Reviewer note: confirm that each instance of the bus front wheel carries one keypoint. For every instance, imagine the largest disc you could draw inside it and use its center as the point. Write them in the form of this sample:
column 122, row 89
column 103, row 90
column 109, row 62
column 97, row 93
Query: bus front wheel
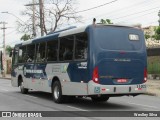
column 102, row 98
column 23, row 90
column 57, row 92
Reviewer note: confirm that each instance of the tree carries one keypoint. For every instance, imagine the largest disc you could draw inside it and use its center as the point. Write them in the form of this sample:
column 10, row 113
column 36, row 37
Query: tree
column 147, row 36
column 25, row 37
column 56, row 14
column 107, row 21
column 157, row 33
column 8, row 49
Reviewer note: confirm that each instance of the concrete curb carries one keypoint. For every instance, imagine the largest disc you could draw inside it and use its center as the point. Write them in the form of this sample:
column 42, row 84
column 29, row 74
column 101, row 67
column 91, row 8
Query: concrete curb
column 153, row 76
column 5, row 78
column 151, row 94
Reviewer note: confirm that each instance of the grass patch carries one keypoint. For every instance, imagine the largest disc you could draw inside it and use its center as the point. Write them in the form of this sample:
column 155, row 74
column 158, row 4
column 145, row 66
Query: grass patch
column 153, row 64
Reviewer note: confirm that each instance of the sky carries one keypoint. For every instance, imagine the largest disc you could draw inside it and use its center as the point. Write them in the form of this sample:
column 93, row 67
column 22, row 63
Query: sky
column 126, row 12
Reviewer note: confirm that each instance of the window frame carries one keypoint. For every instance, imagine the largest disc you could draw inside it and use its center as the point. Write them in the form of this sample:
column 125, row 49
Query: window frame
column 19, row 56
column 87, row 47
column 34, row 57
column 36, row 50
column 14, row 51
column 72, row 49
column 47, row 51
column 58, row 52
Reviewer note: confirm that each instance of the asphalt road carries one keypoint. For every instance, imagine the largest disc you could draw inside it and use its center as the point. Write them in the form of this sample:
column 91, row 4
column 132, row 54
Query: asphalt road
column 12, row 100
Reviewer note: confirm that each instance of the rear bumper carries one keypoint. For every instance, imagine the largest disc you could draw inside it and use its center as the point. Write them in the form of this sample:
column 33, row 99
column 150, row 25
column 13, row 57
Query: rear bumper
column 96, row 89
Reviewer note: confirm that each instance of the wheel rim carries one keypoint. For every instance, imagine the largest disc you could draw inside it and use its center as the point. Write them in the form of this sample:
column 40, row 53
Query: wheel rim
column 56, row 92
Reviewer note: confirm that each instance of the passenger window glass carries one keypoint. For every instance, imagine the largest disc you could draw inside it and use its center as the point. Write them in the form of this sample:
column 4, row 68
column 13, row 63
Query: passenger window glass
column 40, row 55
column 81, row 46
column 22, row 54
column 15, row 59
column 30, row 53
column 52, row 50
column 66, row 48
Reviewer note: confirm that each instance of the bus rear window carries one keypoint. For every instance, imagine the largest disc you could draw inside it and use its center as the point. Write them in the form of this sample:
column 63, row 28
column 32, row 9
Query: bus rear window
column 133, row 37
column 119, row 38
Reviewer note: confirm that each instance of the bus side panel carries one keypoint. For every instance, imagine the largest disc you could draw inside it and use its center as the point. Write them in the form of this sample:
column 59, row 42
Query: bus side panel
column 74, row 88
column 73, row 77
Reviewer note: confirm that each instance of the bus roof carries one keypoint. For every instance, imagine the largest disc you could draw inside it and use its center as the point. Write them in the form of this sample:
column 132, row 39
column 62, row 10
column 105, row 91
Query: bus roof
column 62, row 33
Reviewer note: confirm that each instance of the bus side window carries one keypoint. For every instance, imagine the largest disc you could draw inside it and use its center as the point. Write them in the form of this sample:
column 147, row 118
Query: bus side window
column 52, row 47
column 40, row 55
column 29, row 57
column 15, row 56
column 22, row 54
column 66, row 48
column 81, row 46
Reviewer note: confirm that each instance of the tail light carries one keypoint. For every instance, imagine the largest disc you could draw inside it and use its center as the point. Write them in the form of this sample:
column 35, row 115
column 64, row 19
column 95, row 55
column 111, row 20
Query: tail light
column 95, row 76
column 145, row 75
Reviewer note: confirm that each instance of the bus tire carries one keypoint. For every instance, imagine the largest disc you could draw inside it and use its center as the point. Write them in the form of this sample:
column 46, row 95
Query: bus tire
column 57, row 92
column 23, row 90
column 100, row 98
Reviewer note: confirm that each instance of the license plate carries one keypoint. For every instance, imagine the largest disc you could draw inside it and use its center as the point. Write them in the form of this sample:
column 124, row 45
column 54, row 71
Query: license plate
column 122, row 80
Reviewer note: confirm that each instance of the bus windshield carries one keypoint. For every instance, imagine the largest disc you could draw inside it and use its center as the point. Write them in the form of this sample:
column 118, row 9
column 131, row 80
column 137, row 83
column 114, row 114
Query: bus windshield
column 118, row 38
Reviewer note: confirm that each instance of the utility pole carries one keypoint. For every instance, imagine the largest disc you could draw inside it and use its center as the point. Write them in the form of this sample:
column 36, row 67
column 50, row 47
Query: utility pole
column 41, row 11
column 4, row 49
column 159, row 17
column 34, row 25
column 41, row 17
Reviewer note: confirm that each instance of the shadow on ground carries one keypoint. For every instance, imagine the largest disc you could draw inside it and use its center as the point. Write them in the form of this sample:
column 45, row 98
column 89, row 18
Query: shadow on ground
column 85, row 103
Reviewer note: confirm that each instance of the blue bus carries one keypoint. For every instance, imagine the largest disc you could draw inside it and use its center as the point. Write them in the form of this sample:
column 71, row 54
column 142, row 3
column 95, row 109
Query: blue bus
column 97, row 61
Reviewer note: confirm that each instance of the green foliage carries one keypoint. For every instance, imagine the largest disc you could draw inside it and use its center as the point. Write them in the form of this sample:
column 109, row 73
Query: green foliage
column 153, row 65
column 158, row 30
column 8, row 49
column 147, row 36
column 107, row 21
column 157, row 33
column 25, row 37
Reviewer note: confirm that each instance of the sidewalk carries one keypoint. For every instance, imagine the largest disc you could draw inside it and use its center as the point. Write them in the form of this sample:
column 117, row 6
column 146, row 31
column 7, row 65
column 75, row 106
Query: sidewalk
column 153, row 87
column 8, row 76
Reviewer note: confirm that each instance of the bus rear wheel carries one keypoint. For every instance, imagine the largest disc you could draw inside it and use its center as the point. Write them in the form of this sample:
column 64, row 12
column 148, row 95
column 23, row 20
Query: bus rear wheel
column 57, row 92
column 102, row 98
column 23, row 90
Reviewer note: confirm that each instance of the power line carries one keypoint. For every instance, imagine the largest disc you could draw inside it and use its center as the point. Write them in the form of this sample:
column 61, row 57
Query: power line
column 150, row 23
column 10, row 42
column 135, row 13
column 139, row 16
column 120, row 10
column 116, row 10
column 124, row 9
column 101, row 6
column 129, row 14
column 95, row 7
column 10, row 32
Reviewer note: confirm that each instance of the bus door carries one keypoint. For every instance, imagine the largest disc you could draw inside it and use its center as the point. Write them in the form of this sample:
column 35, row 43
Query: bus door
column 39, row 76
column 28, row 74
